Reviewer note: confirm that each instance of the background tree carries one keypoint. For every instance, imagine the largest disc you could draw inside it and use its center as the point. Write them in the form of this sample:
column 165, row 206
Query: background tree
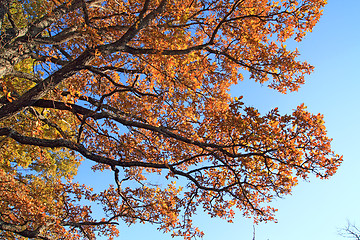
column 350, row 231
column 141, row 88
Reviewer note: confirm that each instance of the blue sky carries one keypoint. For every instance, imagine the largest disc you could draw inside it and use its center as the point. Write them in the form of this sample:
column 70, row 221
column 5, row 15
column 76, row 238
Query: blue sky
column 316, row 209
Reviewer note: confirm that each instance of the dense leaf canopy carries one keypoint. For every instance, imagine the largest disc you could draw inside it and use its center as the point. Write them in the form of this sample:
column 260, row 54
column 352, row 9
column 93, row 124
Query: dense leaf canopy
column 141, row 88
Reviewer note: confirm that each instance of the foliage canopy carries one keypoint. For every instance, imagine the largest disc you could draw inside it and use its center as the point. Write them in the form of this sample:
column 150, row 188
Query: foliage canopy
column 141, row 88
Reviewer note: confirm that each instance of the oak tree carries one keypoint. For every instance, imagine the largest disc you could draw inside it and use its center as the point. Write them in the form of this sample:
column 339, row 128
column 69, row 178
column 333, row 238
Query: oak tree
column 141, row 89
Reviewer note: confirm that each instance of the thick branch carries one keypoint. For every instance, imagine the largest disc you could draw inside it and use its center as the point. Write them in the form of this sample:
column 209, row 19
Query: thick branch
column 74, row 66
column 58, row 143
column 120, row 44
column 40, row 25
column 22, row 230
column 130, row 123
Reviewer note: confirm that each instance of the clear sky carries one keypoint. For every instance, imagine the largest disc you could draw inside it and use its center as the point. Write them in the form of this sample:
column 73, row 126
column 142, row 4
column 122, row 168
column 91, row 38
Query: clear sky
column 316, row 209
